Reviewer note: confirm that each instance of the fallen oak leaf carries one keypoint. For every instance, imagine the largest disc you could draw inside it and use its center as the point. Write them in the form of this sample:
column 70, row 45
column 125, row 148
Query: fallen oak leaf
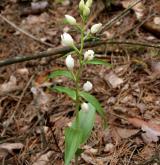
column 152, row 130
column 126, row 133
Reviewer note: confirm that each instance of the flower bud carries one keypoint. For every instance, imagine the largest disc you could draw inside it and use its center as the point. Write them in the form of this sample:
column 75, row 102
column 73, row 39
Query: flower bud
column 85, row 107
column 89, row 3
column 89, row 55
column 96, row 28
column 71, row 20
column 81, row 5
column 87, row 86
column 67, row 40
column 86, row 11
column 70, row 62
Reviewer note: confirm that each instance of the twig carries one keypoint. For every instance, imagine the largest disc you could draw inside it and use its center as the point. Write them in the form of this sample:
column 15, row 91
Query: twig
column 60, row 51
column 9, row 121
column 24, row 32
column 119, row 16
column 141, row 23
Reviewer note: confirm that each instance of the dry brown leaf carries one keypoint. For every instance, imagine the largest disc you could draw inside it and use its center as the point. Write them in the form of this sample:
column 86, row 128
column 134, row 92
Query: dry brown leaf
column 10, row 85
column 126, row 133
column 41, row 99
column 116, row 138
column 113, row 80
column 11, row 146
column 3, row 153
column 43, row 159
column 23, row 71
column 89, row 150
column 94, row 161
column 155, row 66
column 152, row 130
column 42, row 5
column 88, row 159
column 31, row 19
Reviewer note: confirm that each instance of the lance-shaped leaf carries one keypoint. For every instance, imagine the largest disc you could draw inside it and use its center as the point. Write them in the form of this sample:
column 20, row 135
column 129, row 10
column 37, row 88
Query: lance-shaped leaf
column 64, row 73
column 86, row 122
column 98, row 62
column 72, row 142
column 91, row 99
column 70, row 92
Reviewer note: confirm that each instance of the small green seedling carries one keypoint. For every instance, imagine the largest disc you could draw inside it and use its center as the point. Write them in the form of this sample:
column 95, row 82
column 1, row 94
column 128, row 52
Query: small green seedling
column 86, row 104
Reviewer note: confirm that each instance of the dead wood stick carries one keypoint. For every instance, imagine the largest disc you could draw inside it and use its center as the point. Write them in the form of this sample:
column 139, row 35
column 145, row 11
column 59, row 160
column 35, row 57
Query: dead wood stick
column 60, row 51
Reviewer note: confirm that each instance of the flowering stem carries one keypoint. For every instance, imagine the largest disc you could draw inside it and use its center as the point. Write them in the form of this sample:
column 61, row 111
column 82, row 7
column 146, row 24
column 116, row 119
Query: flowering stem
column 78, row 75
column 76, row 49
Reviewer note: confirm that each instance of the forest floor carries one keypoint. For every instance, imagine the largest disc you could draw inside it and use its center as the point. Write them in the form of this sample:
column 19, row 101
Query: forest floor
column 32, row 122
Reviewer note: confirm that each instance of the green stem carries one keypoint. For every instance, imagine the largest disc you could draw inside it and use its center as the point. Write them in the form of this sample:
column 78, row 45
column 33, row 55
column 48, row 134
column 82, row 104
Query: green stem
column 78, row 75
column 76, row 49
column 76, row 159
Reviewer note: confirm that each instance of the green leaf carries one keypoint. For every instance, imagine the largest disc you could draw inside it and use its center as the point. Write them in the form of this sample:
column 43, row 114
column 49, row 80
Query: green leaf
column 72, row 142
column 61, row 73
column 70, row 92
column 98, row 62
column 86, row 122
column 91, row 99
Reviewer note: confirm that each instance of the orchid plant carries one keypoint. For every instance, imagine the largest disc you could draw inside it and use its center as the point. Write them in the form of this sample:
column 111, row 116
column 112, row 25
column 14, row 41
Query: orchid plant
column 86, row 104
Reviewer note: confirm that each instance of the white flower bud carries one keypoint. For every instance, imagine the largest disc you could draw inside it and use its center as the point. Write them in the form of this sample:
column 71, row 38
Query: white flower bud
column 67, row 40
column 70, row 62
column 87, row 86
column 89, row 55
column 71, row 20
column 81, row 5
column 96, row 28
column 84, row 107
column 86, row 11
column 89, row 3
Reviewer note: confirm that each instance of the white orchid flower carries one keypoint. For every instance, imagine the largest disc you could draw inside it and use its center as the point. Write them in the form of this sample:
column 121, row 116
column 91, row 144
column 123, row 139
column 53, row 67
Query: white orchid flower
column 66, row 39
column 85, row 107
column 87, row 86
column 96, row 28
column 89, row 55
column 71, row 20
column 81, row 5
column 69, row 62
column 86, row 11
column 89, row 3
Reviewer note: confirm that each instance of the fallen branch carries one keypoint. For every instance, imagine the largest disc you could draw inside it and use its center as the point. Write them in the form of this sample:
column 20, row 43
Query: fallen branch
column 60, row 51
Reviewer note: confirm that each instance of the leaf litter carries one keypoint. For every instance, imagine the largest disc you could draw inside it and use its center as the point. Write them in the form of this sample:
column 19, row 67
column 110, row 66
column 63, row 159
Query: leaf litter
column 129, row 91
